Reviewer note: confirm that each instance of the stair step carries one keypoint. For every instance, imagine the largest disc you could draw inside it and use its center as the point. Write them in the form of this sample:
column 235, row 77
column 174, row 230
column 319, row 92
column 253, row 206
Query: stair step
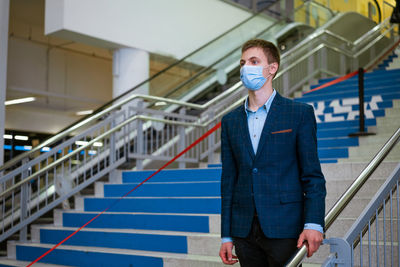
column 94, row 256
column 159, row 241
column 184, row 175
column 200, row 223
column 386, row 92
column 4, row 262
column 206, row 205
column 165, row 189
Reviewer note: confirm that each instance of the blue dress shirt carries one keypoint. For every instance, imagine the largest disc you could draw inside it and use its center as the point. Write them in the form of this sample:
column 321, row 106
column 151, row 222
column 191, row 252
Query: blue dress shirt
column 256, row 121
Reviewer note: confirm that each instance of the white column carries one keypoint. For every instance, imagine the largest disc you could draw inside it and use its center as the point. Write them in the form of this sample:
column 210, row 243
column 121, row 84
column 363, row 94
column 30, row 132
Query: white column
column 131, row 66
column 4, row 14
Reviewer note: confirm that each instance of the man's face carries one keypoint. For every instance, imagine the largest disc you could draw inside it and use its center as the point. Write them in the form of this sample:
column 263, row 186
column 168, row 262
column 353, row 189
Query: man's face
column 255, row 57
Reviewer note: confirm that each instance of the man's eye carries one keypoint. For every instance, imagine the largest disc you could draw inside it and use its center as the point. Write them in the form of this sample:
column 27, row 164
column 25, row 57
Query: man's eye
column 255, row 62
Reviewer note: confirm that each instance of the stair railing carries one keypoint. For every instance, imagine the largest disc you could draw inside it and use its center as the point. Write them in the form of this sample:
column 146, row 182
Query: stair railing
column 374, row 233
column 146, row 135
column 341, row 246
column 128, row 97
column 41, row 184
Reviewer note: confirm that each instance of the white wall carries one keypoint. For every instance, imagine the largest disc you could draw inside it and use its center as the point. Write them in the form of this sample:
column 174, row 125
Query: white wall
column 33, row 67
column 173, row 27
column 63, row 82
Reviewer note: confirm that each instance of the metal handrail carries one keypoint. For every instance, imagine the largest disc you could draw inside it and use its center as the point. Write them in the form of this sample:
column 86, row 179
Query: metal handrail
column 204, row 70
column 101, row 111
column 221, row 100
column 167, row 100
column 116, row 106
column 171, row 101
column 115, row 129
column 355, row 43
column 347, row 196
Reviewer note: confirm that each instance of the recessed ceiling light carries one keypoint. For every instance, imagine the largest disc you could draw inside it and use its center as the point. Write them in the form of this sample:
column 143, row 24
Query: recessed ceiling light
column 19, row 101
column 84, row 112
column 160, row 103
column 21, row 137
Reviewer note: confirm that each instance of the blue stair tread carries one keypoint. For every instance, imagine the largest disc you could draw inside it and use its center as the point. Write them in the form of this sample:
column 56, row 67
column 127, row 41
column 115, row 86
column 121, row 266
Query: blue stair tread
column 122, row 240
column 367, row 75
column 84, row 258
column 210, row 205
column 337, row 142
column 173, row 175
column 342, row 124
column 182, row 189
column 333, row 153
column 163, row 222
column 388, row 92
column 214, row 165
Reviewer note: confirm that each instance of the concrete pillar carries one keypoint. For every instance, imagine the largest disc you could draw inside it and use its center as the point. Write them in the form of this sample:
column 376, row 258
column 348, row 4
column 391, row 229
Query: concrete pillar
column 131, row 66
column 4, row 17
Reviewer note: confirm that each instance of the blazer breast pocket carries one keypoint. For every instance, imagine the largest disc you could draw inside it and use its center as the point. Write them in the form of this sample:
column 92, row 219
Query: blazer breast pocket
column 282, row 131
column 282, row 137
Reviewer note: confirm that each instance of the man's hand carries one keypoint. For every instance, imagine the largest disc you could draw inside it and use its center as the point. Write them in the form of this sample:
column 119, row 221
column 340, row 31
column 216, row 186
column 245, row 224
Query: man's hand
column 312, row 239
column 226, row 253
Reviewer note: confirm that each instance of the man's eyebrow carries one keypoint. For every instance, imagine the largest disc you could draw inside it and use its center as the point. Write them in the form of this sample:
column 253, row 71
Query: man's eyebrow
column 254, row 57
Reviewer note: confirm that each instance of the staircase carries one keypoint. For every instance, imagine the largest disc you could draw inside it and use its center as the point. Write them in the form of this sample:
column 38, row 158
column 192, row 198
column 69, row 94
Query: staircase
column 172, row 220
column 336, row 109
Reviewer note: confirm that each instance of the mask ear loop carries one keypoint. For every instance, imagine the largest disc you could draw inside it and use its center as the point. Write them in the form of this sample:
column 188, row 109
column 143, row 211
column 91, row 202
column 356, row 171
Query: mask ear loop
column 269, row 65
column 266, row 78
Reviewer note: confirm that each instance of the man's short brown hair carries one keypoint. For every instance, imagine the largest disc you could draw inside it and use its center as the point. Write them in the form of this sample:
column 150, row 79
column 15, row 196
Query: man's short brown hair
column 270, row 50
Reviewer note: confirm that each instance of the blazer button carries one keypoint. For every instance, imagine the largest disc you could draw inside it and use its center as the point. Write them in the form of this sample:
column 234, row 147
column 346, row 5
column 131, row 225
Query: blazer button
column 255, row 170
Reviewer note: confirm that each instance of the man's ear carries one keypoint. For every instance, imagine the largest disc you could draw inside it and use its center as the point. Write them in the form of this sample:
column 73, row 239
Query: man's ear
column 273, row 67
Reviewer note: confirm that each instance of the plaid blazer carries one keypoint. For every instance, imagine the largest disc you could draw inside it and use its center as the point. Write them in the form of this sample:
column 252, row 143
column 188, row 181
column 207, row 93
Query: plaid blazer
column 283, row 181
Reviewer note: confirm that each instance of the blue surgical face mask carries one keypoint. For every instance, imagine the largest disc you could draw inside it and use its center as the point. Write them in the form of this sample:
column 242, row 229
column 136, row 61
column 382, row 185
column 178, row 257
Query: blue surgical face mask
column 252, row 77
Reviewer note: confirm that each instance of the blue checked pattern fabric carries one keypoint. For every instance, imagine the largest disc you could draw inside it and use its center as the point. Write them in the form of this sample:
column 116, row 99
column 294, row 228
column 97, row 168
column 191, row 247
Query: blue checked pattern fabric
column 281, row 178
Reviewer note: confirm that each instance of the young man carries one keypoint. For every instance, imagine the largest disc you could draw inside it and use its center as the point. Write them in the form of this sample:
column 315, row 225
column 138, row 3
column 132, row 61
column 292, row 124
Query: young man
column 273, row 190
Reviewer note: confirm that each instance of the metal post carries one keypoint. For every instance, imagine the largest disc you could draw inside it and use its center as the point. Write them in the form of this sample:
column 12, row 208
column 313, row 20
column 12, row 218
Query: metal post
column 112, row 142
column 4, row 18
column 361, row 99
column 140, row 140
column 341, row 251
column 361, row 130
column 285, row 80
column 254, row 6
column 324, row 59
column 343, row 70
column 310, row 65
column 211, row 141
column 181, row 143
column 23, row 234
column 289, row 7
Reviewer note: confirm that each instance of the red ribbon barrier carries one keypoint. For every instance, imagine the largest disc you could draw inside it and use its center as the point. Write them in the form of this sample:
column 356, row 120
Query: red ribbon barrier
column 145, row 180
column 354, row 73
column 335, row 81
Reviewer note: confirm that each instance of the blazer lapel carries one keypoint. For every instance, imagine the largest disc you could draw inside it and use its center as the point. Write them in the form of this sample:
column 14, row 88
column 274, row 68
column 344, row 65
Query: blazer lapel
column 269, row 122
column 245, row 131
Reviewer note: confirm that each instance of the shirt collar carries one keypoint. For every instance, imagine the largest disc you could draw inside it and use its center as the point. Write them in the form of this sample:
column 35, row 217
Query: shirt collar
column 266, row 105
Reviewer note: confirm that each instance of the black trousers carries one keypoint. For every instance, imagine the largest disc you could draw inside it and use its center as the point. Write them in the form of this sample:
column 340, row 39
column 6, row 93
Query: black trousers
column 256, row 250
